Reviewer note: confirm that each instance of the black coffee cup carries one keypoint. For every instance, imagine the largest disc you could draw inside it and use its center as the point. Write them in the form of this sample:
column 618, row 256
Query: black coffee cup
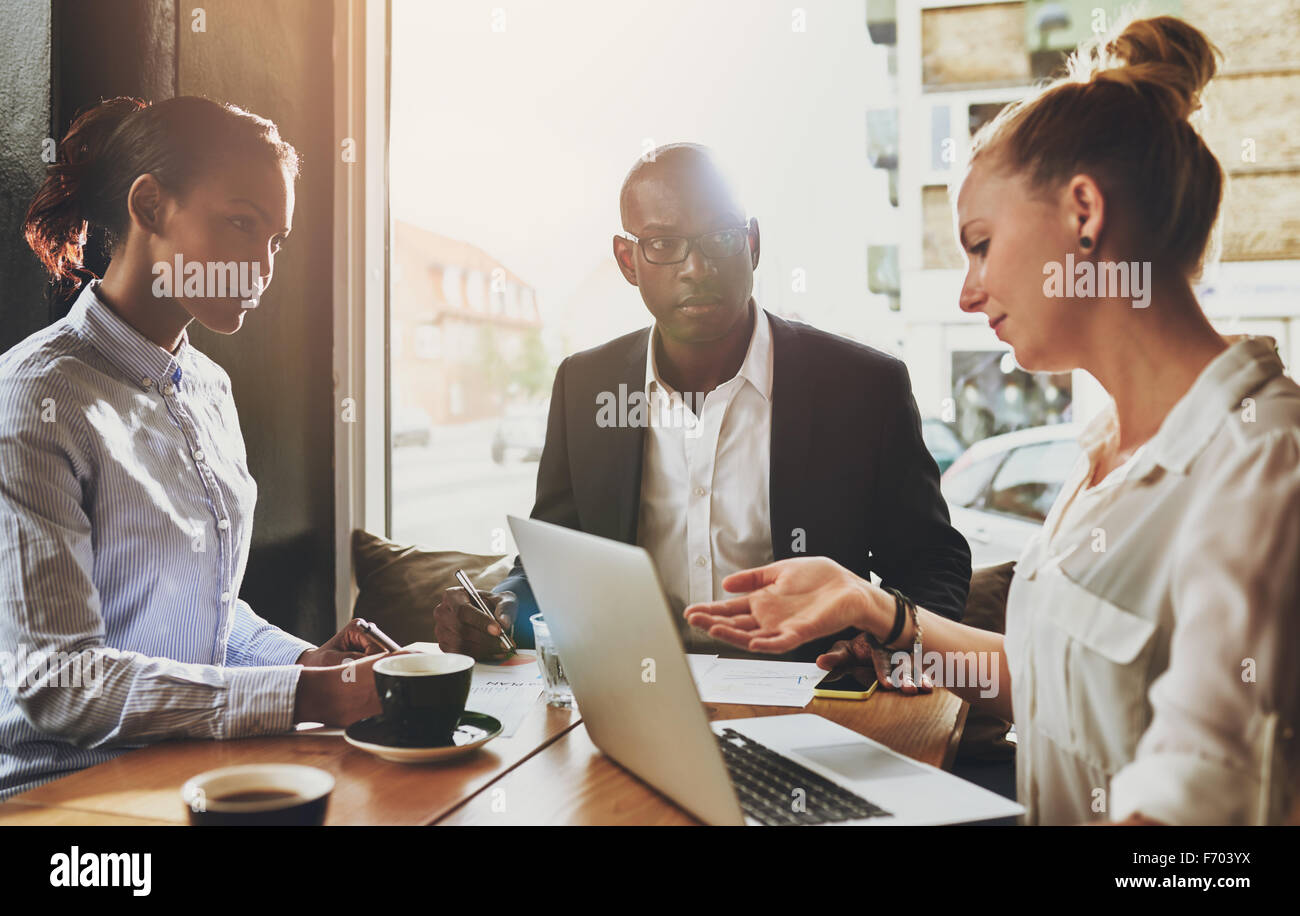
column 423, row 695
column 259, row 794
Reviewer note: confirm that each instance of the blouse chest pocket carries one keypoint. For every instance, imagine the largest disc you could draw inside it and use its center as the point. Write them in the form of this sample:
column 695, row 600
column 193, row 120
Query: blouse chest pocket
column 1092, row 668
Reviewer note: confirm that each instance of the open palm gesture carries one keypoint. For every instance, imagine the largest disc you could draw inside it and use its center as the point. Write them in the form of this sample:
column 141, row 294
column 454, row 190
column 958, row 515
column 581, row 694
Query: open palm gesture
column 789, row 603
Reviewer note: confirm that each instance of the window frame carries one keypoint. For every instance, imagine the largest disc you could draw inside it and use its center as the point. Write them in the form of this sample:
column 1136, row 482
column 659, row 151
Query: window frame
column 362, row 475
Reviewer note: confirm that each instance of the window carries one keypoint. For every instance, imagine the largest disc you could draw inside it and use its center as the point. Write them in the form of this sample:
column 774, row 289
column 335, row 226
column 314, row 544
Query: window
column 982, row 113
column 941, row 139
column 965, row 485
column 453, row 291
column 1028, row 481
column 504, row 222
column 993, row 395
column 428, row 341
column 941, row 442
column 475, row 287
column 497, row 291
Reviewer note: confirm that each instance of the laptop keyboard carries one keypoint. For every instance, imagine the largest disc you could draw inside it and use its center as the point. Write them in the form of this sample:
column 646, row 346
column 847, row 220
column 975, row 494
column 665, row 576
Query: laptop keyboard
column 776, row 791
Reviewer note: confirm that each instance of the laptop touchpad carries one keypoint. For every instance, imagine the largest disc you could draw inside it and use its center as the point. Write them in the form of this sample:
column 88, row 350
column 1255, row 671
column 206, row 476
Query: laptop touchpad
column 859, row 761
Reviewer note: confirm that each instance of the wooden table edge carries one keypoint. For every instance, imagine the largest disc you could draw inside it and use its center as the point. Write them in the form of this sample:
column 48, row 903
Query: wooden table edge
column 433, row 818
column 438, row 817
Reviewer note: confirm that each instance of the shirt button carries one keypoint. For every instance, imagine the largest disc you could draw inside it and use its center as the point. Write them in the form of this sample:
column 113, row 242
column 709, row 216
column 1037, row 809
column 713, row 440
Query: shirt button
column 146, row 382
column 701, row 561
column 225, row 597
column 198, row 454
column 168, row 388
column 223, row 524
column 699, row 491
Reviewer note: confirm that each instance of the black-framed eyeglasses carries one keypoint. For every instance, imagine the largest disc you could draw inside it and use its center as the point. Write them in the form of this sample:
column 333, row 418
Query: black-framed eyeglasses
column 673, row 249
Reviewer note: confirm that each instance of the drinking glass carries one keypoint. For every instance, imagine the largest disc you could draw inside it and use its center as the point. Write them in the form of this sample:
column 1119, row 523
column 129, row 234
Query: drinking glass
column 558, row 691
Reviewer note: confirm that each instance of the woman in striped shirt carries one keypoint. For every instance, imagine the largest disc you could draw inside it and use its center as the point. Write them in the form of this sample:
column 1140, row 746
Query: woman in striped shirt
column 126, row 504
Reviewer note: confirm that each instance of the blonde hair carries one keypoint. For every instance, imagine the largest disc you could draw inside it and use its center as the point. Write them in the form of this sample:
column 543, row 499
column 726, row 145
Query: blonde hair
column 1121, row 114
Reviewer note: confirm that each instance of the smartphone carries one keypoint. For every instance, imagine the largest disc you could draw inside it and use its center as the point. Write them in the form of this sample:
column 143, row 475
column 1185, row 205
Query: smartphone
column 846, row 687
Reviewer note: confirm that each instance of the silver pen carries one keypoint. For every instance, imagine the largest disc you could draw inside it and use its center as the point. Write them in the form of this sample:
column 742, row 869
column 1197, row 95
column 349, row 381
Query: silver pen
column 479, row 603
column 379, row 636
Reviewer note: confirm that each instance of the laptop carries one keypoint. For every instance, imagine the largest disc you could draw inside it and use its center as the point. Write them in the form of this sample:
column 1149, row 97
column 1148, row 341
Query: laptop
column 616, row 637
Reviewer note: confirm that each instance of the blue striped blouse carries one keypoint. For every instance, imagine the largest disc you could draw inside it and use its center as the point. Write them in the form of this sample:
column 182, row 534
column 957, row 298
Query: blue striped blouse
column 125, row 512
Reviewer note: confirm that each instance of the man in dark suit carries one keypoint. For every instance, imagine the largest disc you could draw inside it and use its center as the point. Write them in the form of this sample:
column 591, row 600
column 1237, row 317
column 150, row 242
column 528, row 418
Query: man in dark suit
column 723, row 437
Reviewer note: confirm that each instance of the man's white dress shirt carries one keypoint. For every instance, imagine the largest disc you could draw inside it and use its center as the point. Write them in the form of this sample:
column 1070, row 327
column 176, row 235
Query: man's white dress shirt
column 704, row 481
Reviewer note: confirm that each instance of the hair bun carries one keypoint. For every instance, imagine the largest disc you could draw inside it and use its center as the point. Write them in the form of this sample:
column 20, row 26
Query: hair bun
column 1164, row 54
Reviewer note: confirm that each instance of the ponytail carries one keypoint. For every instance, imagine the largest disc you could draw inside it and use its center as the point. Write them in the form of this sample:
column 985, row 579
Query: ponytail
column 57, row 220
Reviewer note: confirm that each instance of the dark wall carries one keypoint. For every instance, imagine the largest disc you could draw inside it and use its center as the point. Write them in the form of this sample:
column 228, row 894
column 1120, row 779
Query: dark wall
column 272, row 57
column 105, row 48
column 59, row 58
column 25, row 100
column 101, row 49
column 275, row 58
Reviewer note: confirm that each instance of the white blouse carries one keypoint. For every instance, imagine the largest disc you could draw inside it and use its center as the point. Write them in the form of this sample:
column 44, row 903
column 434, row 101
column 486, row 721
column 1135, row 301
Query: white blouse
column 1152, row 623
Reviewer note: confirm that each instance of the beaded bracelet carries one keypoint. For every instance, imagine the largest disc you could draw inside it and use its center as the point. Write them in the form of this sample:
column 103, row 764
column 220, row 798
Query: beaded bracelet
column 900, row 620
column 916, row 636
column 900, row 617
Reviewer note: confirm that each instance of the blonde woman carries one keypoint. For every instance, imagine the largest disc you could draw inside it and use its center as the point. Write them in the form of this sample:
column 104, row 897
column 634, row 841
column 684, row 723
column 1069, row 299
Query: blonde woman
column 1144, row 661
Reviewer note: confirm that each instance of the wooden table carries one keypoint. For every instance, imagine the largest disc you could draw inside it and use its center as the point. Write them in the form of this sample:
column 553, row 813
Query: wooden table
column 548, row 772
column 571, row 782
column 146, row 783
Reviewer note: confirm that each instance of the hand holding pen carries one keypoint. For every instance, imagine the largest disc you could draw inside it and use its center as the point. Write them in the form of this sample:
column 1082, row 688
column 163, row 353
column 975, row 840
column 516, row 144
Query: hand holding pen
column 358, row 639
column 480, row 629
column 477, row 599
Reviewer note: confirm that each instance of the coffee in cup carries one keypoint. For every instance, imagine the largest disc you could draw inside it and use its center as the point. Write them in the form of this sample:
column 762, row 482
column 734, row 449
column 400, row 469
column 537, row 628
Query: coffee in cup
column 260, row 794
column 423, row 695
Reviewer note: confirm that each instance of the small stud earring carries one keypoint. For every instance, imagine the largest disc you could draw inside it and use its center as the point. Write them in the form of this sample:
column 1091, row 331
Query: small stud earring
column 1085, row 241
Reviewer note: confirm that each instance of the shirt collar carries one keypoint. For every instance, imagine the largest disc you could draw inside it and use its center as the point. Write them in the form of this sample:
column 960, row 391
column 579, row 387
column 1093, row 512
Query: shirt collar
column 1244, row 366
column 144, row 362
column 756, row 369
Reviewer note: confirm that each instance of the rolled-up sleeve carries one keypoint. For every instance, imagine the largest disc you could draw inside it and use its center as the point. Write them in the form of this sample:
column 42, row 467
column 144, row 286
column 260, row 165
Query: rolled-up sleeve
column 1225, row 707
column 255, row 641
column 63, row 678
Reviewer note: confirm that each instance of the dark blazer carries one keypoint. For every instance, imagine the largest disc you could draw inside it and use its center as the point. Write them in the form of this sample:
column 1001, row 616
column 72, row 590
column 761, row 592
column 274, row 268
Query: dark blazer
column 848, row 466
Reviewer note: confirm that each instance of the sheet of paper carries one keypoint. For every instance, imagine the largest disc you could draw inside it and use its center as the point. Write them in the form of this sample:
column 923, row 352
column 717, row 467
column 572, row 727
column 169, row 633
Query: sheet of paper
column 508, row 692
column 700, row 665
column 757, row 682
